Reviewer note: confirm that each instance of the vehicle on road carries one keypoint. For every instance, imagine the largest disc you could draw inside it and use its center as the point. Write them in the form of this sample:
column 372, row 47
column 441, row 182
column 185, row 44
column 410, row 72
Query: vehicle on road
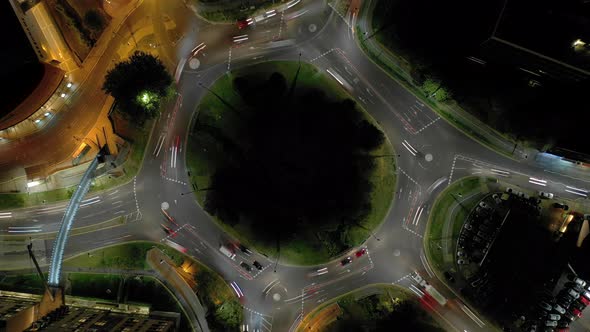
column 360, row 252
column 244, row 249
column 547, row 195
column 560, row 206
column 228, row 252
column 257, row 265
column 246, row 266
column 237, row 289
column 244, row 23
column 346, row 261
column 176, row 246
column 168, row 230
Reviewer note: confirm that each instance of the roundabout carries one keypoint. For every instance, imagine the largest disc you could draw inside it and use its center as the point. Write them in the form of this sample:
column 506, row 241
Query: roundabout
column 276, row 296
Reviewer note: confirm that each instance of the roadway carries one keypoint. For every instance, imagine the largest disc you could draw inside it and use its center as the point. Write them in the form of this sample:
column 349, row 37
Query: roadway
column 430, row 154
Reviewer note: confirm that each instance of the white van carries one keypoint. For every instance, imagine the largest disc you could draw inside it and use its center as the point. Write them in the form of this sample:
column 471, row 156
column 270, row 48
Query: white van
column 229, row 253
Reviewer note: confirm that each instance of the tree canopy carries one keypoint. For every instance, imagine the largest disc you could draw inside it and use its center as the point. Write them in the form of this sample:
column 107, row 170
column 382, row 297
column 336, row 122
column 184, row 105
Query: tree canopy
column 138, row 85
column 299, row 161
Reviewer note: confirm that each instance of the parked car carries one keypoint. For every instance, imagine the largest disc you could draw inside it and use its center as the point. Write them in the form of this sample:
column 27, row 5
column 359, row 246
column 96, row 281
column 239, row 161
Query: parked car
column 546, row 194
column 584, row 300
column 559, row 309
column 554, row 316
column 483, row 205
column 345, row 261
column 257, row 265
column 461, row 261
column 576, row 312
column 509, row 190
column 545, row 306
column 551, row 323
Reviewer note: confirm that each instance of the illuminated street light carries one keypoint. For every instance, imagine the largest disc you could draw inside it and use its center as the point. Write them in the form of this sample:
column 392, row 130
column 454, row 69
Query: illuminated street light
column 69, row 85
column 37, row 121
column 145, row 98
column 578, row 42
column 47, row 114
column 63, row 95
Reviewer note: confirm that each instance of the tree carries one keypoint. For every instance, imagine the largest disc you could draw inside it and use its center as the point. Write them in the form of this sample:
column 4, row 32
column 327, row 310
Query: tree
column 138, row 85
column 94, row 20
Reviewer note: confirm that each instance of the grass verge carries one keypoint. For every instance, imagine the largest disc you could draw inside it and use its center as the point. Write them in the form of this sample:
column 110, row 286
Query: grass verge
column 449, row 211
column 204, row 156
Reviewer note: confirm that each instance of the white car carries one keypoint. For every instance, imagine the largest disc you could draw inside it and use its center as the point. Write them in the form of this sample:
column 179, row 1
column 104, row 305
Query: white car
column 546, row 195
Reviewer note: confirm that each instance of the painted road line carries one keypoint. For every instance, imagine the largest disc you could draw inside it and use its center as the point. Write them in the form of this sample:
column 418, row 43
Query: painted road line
column 577, row 189
column 411, row 147
column 576, row 193
column 471, row 315
column 408, row 148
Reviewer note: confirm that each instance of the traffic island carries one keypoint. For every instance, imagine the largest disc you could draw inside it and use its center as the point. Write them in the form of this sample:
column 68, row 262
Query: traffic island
column 372, row 308
column 286, row 162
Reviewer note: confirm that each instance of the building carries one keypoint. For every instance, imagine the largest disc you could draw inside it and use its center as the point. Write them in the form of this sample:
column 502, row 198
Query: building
column 81, row 315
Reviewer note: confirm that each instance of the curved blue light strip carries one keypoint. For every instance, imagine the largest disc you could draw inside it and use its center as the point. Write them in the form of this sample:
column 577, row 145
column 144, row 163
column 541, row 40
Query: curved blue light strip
column 66, row 224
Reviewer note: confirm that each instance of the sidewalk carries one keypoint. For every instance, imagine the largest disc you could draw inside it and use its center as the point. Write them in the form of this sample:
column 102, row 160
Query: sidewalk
column 399, row 68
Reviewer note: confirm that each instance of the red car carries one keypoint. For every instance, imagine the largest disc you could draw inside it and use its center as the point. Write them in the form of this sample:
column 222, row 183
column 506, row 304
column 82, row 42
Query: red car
column 360, row 252
column 584, row 300
column 576, row 312
column 242, row 24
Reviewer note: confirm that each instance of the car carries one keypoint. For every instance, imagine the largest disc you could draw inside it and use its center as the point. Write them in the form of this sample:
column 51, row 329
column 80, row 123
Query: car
column 574, row 286
column 461, row 262
column 554, row 317
column 257, row 265
column 560, row 206
column 576, row 312
column 545, row 306
column 345, row 261
column 584, row 300
column 586, row 294
column 246, row 266
column 551, row 323
column 360, row 252
column 568, row 317
column 468, row 227
column 460, row 253
column 571, row 293
column 509, row 190
column 579, row 281
column 244, row 249
column 545, row 194
column 578, row 305
column 559, row 309
column 483, row 205
column 244, row 23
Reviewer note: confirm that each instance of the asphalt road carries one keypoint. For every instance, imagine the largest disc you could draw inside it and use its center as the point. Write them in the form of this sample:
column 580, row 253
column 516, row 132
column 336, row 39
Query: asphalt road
column 430, row 155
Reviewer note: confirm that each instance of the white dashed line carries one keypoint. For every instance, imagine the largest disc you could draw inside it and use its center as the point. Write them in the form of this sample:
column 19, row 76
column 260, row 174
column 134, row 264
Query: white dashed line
column 175, row 181
column 452, row 170
column 135, row 192
column 409, row 177
column 427, row 125
column 322, row 55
